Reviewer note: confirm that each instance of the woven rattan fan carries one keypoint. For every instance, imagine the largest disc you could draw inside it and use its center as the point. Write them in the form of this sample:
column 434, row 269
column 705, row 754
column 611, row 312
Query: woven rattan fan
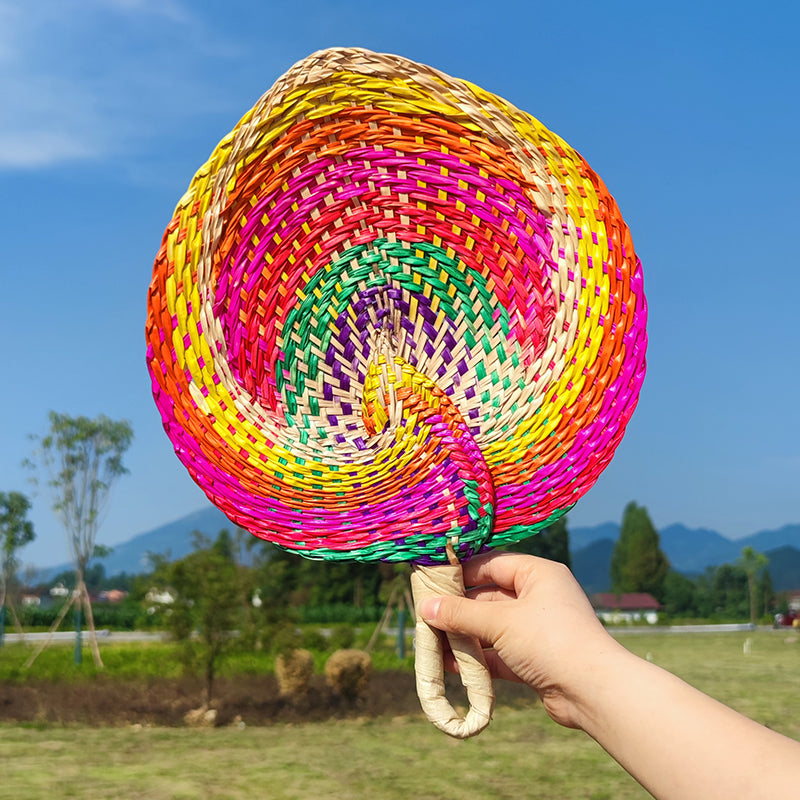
column 396, row 318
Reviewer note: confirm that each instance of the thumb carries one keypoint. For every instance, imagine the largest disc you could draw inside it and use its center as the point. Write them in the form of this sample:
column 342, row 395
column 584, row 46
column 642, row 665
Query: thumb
column 461, row 615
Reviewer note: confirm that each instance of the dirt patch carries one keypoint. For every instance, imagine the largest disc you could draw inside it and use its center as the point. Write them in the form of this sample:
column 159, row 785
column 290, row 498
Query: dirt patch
column 245, row 699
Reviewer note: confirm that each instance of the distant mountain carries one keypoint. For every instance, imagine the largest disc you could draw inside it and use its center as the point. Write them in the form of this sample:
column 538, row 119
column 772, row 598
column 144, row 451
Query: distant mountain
column 770, row 540
column 784, row 568
column 583, row 536
column 690, row 551
column 173, row 540
column 591, row 565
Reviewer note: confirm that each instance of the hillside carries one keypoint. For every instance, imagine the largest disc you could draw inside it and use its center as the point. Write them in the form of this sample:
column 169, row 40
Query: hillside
column 690, row 550
column 591, row 566
column 173, row 540
column 784, row 568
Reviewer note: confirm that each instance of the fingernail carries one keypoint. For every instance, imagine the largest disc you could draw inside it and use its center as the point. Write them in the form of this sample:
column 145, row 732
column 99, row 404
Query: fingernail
column 430, row 608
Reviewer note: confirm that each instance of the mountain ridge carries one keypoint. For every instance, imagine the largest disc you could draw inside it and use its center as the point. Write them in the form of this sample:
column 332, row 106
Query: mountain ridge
column 689, row 550
column 692, row 550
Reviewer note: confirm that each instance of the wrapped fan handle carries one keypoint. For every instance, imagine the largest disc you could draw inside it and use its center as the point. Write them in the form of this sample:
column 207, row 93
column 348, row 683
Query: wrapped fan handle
column 433, row 581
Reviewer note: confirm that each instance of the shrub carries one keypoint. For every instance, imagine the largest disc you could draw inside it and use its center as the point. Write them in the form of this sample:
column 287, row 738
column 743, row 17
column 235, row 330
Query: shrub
column 347, row 673
column 313, row 639
column 283, row 639
column 293, row 671
column 119, row 617
column 339, row 613
column 342, row 638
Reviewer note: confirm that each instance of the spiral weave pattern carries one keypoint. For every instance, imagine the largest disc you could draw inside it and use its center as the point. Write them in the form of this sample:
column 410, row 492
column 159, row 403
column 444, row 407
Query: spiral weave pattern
column 392, row 309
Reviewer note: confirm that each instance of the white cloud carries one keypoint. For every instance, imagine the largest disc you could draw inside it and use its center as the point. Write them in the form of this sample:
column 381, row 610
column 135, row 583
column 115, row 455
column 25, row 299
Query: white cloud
column 90, row 80
column 34, row 149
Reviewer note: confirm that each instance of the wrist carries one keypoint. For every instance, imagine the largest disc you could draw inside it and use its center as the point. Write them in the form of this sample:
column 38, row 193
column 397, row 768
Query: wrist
column 597, row 683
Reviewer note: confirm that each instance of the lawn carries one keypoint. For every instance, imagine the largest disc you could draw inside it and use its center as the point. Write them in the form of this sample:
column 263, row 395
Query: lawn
column 521, row 755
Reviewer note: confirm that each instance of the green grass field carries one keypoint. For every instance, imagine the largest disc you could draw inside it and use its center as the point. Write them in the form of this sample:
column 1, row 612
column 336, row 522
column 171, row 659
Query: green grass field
column 521, row 755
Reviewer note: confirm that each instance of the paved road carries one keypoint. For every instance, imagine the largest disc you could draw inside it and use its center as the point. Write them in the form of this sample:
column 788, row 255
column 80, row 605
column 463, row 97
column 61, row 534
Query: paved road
column 102, row 635
column 141, row 636
column 733, row 627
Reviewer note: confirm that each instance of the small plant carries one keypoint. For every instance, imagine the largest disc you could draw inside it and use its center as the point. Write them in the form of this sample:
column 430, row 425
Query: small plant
column 348, row 672
column 293, row 670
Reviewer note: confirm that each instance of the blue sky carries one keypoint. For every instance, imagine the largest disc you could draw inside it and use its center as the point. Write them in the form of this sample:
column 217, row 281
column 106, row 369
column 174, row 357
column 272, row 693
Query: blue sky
column 688, row 111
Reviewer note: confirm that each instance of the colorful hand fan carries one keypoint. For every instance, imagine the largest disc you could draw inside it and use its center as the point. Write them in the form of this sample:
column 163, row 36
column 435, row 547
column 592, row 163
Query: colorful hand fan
column 396, row 318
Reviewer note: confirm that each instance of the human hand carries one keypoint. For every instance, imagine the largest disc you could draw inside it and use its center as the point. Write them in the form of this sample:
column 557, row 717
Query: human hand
column 537, row 623
column 542, row 630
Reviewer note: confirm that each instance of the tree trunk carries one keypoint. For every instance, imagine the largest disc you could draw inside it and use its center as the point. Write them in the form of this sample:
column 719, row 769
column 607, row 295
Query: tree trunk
column 17, row 623
column 87, row 607
column 209, row 680
column 358, row 592
column 751, row 585
column 7, row 601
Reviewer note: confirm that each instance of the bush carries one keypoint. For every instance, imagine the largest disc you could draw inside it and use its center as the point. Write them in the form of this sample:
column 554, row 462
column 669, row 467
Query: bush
column 348, row 673
column 293, row 671
column 119, row 617
column 284, row 638
column 339, row 612
column 342, row 638
column 314, row 639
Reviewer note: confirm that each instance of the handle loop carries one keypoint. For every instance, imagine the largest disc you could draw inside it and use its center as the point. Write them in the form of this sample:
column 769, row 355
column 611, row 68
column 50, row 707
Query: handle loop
column 448, row 579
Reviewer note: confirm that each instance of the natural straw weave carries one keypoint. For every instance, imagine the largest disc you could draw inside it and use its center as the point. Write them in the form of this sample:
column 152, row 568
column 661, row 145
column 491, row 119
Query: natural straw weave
column 393, row 309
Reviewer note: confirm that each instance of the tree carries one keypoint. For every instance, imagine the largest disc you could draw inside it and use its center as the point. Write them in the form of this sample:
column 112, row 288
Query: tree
column 729, row 591
column 208, row 593
column 83, row 459
column 679, row 595
column 765, row 593
column 15, row 532
column 753, row 564
column 295, row 581
column 637, row 562
column 552, row 542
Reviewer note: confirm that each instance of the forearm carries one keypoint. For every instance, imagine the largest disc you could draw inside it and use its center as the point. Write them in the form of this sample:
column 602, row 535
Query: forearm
column 679, row 743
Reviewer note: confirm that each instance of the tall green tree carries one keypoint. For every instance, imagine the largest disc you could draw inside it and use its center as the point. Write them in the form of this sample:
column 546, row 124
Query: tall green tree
column 15, row 532
column 83, row 460
column 754, row 565
column 637, row 563
column 552, row 542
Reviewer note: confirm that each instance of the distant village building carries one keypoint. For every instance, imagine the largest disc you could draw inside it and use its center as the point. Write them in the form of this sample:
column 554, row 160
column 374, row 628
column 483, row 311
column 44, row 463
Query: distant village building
column 160, row 596
column 620, row 609
column 112, row 596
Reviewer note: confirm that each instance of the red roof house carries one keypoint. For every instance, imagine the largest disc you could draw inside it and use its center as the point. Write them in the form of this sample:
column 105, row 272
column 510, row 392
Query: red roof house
column 626, row 608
